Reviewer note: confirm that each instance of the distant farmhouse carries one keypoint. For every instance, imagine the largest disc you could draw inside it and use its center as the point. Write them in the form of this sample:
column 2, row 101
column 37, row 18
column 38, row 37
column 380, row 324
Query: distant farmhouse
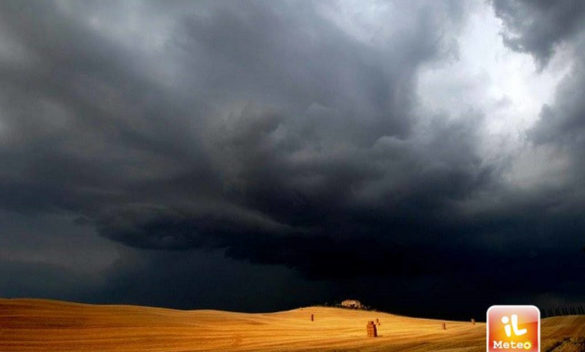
column 353, row 304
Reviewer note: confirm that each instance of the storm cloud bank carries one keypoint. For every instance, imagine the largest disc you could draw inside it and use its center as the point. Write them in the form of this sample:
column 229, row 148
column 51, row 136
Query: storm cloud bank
column 295, row 135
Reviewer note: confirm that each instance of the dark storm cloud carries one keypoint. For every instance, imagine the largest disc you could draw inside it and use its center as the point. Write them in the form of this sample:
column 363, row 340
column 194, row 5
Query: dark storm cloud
column 562, row 124
column 538, row 27
column 273, row 134
column 279, row 129
column 554, row 210
column 541, row 28
column 324, row 164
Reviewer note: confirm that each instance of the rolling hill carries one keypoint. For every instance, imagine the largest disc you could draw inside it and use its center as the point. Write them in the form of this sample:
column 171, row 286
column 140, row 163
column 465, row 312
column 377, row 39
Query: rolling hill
column 45, row 325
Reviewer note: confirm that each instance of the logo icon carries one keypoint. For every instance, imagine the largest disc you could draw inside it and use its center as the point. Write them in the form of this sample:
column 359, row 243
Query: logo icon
column 508, row 329
column 513, row 328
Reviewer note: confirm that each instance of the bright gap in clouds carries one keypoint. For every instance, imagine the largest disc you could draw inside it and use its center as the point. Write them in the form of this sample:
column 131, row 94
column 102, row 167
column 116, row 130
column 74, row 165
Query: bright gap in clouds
column 486, row 77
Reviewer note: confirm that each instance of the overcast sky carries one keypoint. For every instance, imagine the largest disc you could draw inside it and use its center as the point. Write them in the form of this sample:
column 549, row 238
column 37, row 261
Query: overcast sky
column 425, row 157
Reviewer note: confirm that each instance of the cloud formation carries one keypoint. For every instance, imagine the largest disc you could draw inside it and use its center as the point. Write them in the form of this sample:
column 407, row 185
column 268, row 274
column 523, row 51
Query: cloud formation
column 291, row 134
column 538, row 27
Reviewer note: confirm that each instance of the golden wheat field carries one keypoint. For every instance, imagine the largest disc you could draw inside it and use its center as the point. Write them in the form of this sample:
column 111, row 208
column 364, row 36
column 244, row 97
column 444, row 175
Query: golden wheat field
column 44, row 325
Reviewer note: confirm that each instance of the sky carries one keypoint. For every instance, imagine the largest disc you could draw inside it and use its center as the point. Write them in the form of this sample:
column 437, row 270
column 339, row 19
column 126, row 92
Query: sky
column 421, row 156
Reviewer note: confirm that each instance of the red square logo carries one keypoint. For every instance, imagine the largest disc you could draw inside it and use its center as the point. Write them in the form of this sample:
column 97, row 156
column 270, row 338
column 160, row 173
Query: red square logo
column 513, row 329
